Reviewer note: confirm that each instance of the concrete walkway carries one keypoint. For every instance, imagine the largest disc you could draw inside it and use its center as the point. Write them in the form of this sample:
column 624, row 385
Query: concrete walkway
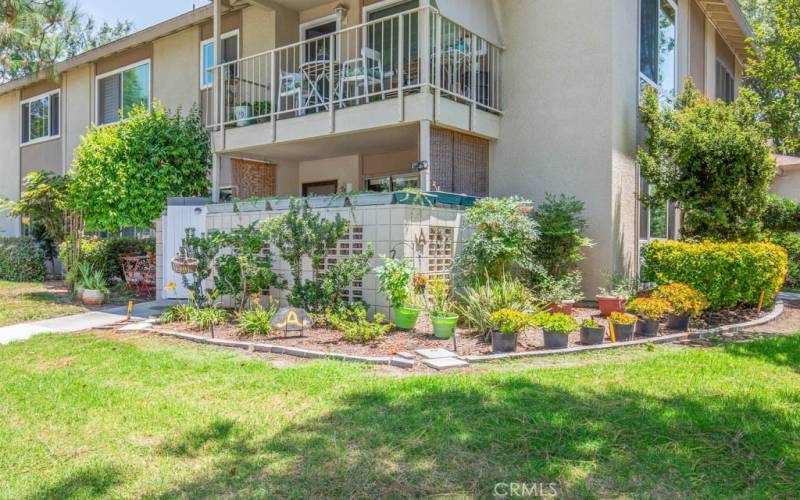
column 82, row 321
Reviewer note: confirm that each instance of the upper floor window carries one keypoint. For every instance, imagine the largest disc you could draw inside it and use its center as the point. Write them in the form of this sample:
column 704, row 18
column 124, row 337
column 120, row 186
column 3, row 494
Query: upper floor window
column 120, row 90
column 230, row 52
column 40, row 118
column 658, row 47
column 725, row 84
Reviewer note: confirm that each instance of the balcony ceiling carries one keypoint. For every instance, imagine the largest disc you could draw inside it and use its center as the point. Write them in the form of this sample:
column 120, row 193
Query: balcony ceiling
column 727, row 16
column 296, row 5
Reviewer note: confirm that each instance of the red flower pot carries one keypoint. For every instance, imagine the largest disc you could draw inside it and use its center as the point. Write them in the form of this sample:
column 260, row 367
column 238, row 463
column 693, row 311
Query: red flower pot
column 565, row 307
column 608, row 304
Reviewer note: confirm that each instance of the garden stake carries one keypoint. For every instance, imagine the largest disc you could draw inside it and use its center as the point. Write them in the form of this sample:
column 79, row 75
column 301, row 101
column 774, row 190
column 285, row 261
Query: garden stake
column 455, row 343
column 611, row 332
column 761, row 301
column 130, row 309
column 212, row 330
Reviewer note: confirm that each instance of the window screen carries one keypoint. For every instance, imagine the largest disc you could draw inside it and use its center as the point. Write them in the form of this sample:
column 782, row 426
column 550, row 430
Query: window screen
column 109, row 97
column 121, row 92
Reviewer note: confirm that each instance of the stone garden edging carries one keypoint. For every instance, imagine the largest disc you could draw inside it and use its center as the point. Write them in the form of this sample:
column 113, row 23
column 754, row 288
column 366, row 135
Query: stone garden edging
column 410, row 363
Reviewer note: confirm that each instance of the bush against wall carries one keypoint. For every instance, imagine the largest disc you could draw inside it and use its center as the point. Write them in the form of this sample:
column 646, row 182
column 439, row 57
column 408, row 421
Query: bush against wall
column 123, row 173
column 711, row 159
column 103, row 254
column 21, row 259
column 790, row 241
column 782, row 214
column 729, row 274
column 561, row 226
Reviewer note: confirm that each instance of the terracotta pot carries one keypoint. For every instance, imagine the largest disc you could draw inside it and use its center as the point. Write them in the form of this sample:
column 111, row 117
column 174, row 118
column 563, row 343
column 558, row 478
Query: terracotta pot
column 609, row 304
column 565, row 307
column 93, row 298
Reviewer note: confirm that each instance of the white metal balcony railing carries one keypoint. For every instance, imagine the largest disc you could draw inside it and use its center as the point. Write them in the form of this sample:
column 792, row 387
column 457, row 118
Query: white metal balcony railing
column 377, row 60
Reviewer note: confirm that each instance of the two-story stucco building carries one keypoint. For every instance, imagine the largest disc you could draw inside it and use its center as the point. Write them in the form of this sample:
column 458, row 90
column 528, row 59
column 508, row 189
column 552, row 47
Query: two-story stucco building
column 484, row 97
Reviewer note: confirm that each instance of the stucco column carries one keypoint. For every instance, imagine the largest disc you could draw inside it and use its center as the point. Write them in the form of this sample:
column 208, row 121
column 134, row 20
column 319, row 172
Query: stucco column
column 425, row 154
column 215, row 167
column 217, row 77
column 711, row 60
column 684, row 10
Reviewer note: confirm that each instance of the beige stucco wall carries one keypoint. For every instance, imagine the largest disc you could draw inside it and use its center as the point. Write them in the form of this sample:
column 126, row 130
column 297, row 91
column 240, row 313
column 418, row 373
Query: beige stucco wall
column 389, row 163
column 9, row 158
column 176, row 69
column 43, row 156
column 258, row 30
column 564, row 133
column 353, row 14
column 344, row 169
column 77, row 108
column 787, row 185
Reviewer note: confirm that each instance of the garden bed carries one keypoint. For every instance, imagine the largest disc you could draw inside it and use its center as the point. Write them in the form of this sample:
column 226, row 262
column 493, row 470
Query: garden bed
column 469, row 343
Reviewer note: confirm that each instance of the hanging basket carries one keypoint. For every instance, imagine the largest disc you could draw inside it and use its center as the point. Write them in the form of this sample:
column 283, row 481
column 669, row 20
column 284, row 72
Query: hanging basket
column 184, row 265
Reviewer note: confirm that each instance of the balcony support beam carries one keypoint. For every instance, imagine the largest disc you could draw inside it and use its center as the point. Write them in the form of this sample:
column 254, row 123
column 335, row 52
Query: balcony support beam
column 217, row 58
column 425, row 154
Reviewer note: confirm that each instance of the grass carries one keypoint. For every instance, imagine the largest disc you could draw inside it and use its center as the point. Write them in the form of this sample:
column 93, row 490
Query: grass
column 21, row 302
column 96, row 416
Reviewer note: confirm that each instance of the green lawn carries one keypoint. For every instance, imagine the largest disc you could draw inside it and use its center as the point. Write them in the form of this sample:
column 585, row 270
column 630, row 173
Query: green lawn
column 21, row 302
column 92, row 416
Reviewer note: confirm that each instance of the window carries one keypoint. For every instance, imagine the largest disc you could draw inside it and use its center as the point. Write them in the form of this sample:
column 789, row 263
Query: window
column 385, row 36
column 392, row 183
column 317, row 33
column 230, row 52
column 658, row 47
column 40, row 118
column 656, row 222
column 725, row 84
column 119, row 91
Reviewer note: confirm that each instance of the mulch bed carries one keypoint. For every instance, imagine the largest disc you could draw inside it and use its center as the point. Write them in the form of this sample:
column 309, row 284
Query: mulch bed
column 469, row 343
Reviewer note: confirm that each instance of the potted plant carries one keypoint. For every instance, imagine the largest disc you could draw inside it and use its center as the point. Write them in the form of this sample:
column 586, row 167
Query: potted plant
column 507, row 324
column 557, row 328
column 242, row 114
column 394, row 279
column 561, row 293
column 650, row 310
column 94, row 287
column 356, row 199
column 440, row 308
column 623, row 325
column 685, row 302
column 613, row 299
column 327, row 201
column 592, row 332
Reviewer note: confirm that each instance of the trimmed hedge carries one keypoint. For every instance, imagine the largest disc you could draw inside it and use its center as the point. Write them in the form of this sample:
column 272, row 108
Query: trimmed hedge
column 783, row 214
column 730, row 274
column 791, row 242
column 103, row 254
column 21, row 259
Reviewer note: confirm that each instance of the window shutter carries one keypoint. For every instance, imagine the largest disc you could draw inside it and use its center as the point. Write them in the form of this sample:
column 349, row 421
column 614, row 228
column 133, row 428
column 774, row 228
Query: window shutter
column 54, row 114
column 26, row 118
column 109, row 99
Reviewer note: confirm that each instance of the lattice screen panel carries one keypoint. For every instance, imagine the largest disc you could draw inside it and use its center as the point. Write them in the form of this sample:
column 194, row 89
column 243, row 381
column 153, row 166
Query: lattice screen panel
column 440, row 249
column 351, row 244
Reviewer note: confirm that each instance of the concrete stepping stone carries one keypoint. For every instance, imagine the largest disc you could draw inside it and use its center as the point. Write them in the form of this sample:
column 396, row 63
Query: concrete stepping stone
column 406, row 355
column 445, row 363
column 435, row 353
column 137, row 327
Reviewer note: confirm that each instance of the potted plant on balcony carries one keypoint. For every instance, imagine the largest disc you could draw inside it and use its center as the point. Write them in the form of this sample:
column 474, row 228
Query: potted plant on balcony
column 440, row 308
column 507, row 324
column 613, row 298
column 356, row 199
column 394, row 279
column 650, row 310
column 557, row 328
column 592, row 332
column 326, row 201
column 623, row 325
column 242, row 114
column 94, row 287
column 685, row 301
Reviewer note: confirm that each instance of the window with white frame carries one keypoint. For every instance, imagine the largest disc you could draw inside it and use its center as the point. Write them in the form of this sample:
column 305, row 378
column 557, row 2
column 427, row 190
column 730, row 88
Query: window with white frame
column 119, row 91
column 725, row 83
column 40, row 118
column 658, row 47
column 230, row 52
column 657, row 222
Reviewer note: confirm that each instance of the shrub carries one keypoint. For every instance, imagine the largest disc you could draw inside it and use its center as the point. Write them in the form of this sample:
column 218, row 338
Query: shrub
column 355, row 326
column 557, row 323
column 790, row 241
column 783, row 214
column 620, row 318
column 204, row 318
column 619, row 285
column 256, row 321
column 509, row 321
column 92, row 279
column 103, row 253
column 560, row 241
column 178, row 312
column 729, row 274
column 683, row 299
column 554, row 290
column 476, row 303
column 649, row 308
column 204, row 248
column 21, row 259
column 590, row 323
column 503, row 241
column 394, row 279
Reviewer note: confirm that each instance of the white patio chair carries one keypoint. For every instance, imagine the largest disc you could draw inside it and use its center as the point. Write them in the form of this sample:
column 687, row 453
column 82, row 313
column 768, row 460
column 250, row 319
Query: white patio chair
column 294, row 85
column 365, row 71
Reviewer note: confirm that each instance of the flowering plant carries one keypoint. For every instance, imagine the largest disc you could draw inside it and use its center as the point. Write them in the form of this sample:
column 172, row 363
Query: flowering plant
column 649, row 308
column 509, row 322
column 620, row 318
column 683, row 299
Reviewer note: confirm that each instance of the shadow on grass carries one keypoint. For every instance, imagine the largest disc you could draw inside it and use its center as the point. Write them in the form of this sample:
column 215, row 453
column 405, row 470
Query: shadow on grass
column 85, row 482
column 425, row 436
column 45, row 298
column 780, row 351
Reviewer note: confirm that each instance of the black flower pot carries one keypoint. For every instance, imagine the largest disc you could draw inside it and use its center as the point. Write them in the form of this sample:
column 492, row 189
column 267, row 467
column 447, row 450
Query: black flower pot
column 592, row 336
column 679, row 323
column 555, row 340
column 504, row 342
column 623, row 333
column 648, row 327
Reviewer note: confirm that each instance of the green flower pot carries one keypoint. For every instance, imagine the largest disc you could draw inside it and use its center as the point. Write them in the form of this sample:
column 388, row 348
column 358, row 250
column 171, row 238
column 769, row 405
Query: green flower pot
column 444, row 326
column 405, row 318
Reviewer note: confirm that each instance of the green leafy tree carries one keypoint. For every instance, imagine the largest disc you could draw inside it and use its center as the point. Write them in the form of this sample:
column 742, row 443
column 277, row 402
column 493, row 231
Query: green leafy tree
column 561, row 226
column 711, row 159
column 36, row 34
column 123, row 173
column 773, row 70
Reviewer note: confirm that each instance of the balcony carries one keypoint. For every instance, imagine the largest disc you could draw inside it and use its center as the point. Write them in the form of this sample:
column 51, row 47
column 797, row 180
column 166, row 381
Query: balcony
column 407, row 67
